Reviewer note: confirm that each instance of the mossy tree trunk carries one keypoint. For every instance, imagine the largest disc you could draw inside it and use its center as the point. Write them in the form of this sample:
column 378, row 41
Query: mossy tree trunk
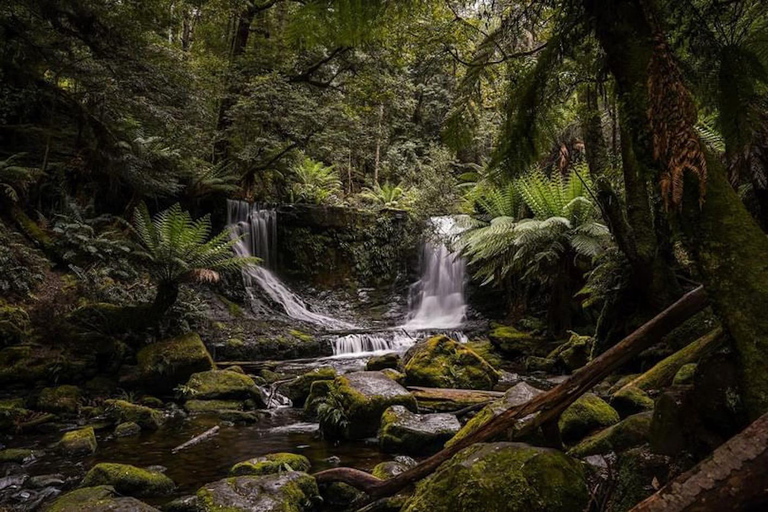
column 729, row 247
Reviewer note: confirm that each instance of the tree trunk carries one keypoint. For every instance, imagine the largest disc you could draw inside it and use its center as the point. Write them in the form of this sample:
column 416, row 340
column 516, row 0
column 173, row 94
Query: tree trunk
column 734, row 478
column 729, row 247
column 378, row 146
column 165, row 298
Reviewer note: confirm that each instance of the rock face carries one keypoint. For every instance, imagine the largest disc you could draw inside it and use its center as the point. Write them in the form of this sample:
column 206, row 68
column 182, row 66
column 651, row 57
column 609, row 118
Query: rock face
column 285, row 492
column 440, row 362
column 166, row 364
column 516, row 395
column 121, row 411
column 361, row 398
column 628, row 433
column 298, row 390
column 503, row 477
column 271, row 463
column 78, row 442
column 405, row 432
column 97, row 499
column 129, row 480
column 585, row 415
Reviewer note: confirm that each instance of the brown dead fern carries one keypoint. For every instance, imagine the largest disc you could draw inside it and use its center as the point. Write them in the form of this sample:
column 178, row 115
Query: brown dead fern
column 672, row 116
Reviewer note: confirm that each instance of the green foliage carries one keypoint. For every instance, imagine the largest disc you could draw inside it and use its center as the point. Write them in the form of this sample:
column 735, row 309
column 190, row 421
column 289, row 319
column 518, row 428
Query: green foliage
column 387, row 195
column 330, row 413
column 315, row 182
column 14, row 178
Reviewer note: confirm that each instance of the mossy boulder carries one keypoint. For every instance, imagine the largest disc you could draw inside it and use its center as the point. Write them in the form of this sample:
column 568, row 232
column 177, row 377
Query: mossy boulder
column 362, row 397
column 290, row 491
column 223, row 385
column 628, row 433
column 671, row 417
column 299, row 389
column 631, row 400
column 271, row 463
column 586, row 415
column 513, row 343
column 318, row 392
column 514, row 396
column 103, row 498
column 383, row 361
column 166, row 364
column 61, row 399
column 573, row 354
column 394, row 375
column 540, row 364
column 78, row 442
column 341, row 496
column 405, row 432
column 638, row 474
column 122, row 411
column 440, row 362
column 17, row 455
column 127, row 429
column 390, row 469
column 129, row 480
column 685, row 375
column 503, row 477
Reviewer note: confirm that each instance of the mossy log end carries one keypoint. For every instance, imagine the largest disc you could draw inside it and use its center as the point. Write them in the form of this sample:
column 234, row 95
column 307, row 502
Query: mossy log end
column 541, row 409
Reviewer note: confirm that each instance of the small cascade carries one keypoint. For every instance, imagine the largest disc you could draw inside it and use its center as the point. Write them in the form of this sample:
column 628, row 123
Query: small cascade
column 437, row 299
column 258, row 229
column 371, row 343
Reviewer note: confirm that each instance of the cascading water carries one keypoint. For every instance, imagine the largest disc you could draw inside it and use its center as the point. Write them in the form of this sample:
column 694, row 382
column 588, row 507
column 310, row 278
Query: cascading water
column 257, row 228
column 372, row 343
column 437, row 299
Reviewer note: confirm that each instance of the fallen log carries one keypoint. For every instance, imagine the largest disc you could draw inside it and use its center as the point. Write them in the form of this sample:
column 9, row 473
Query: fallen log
column 449, row 400
column 734, row 477
column 197, row 439
column 539, row 410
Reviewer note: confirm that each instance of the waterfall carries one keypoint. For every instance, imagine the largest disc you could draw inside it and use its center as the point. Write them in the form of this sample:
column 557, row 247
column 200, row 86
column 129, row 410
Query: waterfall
column 258, row 229
column 437, row 299
column 371, row 343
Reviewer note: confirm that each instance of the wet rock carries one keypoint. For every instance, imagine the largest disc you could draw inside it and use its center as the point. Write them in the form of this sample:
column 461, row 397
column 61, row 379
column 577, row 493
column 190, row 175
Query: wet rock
column 42, row 481
column 392, row 468
column 78, row 442
column 440, row 362
column 628, row 433
column 540, row 364
column 223, row 385
column 127, row 429
column 241, row 417
column 298, row 390
column 151, row 401
column 394, row 375
column 17, row 455
column 129, row 480
column 381, row 362
column 585, row 415
column 668, row 426
column 339, row 495
column 62, row 399
column 573, row 354
column 685, row 375
column 405, row 432
column 166, row 364
column 290, row 491
column 122, row 411
column 631, row 400
column 13, row 481
column 183, row 504
column 98, row 499
column 513, row 343
column 638, row 474
column 271, row 463
column 509, row 477
column 214, row 405
column 514, row 396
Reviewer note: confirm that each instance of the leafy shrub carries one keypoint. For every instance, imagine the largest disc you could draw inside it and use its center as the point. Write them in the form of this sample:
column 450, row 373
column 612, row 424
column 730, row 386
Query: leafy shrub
column 315, row 183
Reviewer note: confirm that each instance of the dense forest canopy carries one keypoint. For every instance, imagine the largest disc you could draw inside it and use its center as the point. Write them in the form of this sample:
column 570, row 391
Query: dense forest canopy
column 603, row 164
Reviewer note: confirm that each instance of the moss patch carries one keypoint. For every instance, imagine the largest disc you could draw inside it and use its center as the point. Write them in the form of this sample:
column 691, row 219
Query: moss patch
column 271, row 463
column 97, row 499
column 299, row 389
column 631, row 400
column 62, row 399
column 17, row 455
column 78, row 442
column 628, row 433
column 285, row 492
column 129, row 480
column 685, row 374
column 585, row 415
column 441, row 362
column 122, row 411
column 221, row 384
column 165, row 364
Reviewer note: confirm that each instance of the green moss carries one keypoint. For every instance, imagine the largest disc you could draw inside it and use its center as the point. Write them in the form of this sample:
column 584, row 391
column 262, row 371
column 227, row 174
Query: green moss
column 12, row 413
column 127, row 429
column 405, row 432
column 318, row 390
column 382, row 362
column 513, row 343
column 393, row 374
column 540, row 364
column 285, row 492
column 685, row 374
column 23, row 364
column 628, row 433
column 487, row 351
column 122, row 411
column 165, row 364
column 14, row 322
column 585, row 415
column 574, row 353
column 271, row 463
column 17, row 455
column 81, row 441
column 300, row 388
column 631, row 400
column 129, row 480
column 443, row 363
column 503, row 477
column 220, row 384
column 389, row 469
column 301, row 335
column 97, row 499
column 62, row 399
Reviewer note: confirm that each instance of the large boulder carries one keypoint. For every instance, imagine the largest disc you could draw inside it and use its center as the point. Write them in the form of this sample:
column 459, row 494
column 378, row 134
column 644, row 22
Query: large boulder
column 631, row 400
column 514, row 396
column 298, row 390
column 573, row 354
column 405, row 432
column 503, row 477
column 289, row 491
column 382, row 362
column 129, row 480
column 628, row 433
column 513, row 343
column 223, row 385
column 78, row 442
column 166, row 364
column 584, row 416
column 97, row 499
column 271, row 463
column 122, row 411
column 61, row 399
column 440, row 362
column 352, row 404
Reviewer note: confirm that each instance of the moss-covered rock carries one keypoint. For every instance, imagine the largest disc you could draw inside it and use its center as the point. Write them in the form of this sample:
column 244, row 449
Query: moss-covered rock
column 540, row 364
column 21, row 364
column 341, row 496
column 290, row 491
column 440, row 362
column 78, row 442
column 298, row 390
column 513, row 343
column 129, row 480
column 631, row 400
column 214, row 405
column 638, row 474
column 122, row 411
column 514, row 396
column 628, row 433
column 503, row 477
column 62, row 399
column 127, row 429
column 17, row 455
column 223, row 385
column 573, row 354
column 166, row 364
column 405, row 432
column 381, row 362
column 389, row 469
column 271, row 463
column 585, row 415
column 318, row 391
column 394, row 375
column 685, row 375
column 669, row 424
column 97, row 499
